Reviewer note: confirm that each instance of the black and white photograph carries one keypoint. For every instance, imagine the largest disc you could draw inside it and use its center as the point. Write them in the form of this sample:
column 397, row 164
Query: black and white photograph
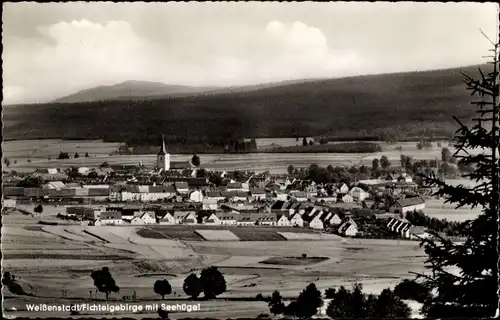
column 250, row 160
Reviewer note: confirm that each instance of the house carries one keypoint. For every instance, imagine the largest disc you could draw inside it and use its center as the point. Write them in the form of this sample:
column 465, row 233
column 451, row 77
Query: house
column 209, row 204
column 110, row 218
column 359, row 194
column 335, row 219
column 214, row 195
column 347, row 198
column 312, row 190
column 400, row 227
column 346, row 222
column 9, row 203
column 326, row 198
column 257, row 194
column 196, row 196
column 228, row 218
column 317, row 222
column 283, row 220
column 408, row 205
column 299, row 196
column 296, row 220
column 404, row 178
column 418, row 232
column 185, row 217
column 343, row 188
column 212, row 220
column 348, row 229
column 135, row 221
column 55, row 185
column 181, row 187
column 166, row 219
column 264, row 219
column 148, row 217
column 234, row 186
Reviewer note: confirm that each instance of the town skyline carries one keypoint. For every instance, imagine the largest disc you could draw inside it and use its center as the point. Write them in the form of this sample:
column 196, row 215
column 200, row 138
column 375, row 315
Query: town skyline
column 230, row 44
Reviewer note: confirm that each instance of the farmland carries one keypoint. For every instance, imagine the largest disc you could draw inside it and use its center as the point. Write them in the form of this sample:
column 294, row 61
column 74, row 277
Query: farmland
column 45, row 262
column 31, row 155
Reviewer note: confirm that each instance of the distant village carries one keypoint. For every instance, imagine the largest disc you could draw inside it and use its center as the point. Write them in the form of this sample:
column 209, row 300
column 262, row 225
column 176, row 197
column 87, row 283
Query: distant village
column 175, row 193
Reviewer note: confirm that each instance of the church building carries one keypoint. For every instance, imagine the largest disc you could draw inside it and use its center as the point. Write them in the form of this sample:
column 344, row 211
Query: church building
column 163, row 158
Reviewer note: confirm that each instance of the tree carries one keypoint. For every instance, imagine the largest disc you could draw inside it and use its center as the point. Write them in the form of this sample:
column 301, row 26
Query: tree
column 375, row 164
column 105, row 164
column 388, row 306
column 290, row 169
column 195, row 160
column 309, row 301
column 384, row 162
column 411, row 290
column 63, row 155
column 212, row 282
column 38, row 209
column 6, row 161
column 445, row 155
column 471, row 292
column 76, row 155
column 192, row 286
column 86, row 154
column 311, row 142
column 304, row 141
column 162, row 287
column 330, row 293
column 276, row 305
column 104, row 281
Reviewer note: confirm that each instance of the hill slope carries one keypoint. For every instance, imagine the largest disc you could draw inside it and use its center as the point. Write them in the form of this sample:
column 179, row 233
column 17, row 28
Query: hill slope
column 415, row 103
column 129, row 90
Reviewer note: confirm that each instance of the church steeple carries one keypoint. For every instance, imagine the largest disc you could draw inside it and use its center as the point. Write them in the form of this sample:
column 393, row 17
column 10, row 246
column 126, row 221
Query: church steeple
column 163, row 158
column 163, row 148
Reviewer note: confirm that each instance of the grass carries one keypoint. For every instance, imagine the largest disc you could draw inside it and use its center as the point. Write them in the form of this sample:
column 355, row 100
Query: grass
column 23, row 256
column 293, row 261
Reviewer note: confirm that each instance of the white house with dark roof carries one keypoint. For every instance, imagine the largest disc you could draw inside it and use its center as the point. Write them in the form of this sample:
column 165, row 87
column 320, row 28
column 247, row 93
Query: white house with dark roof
column 185, row 217
column 334, row 220
column 296, row 220
column 348, row 229
column 408, row 205
column 227, row 218
column 212, row 220
column 317, row 221
column 283, row 220
column 167, row 219
column 109, row 218
column 148, row 217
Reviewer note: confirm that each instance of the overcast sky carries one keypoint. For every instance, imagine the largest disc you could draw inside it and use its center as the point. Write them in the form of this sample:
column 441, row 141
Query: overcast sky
column 51, row 50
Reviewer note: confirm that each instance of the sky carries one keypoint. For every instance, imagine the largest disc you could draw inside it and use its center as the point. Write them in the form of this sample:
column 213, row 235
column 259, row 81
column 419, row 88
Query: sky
column 55, row 49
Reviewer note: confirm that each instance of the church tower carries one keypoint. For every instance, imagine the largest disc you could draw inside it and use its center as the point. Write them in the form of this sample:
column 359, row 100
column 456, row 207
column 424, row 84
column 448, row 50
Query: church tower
column 163, row 158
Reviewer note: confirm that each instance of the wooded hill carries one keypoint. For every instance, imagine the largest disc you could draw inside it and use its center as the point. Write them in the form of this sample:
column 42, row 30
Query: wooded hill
column 401, row 105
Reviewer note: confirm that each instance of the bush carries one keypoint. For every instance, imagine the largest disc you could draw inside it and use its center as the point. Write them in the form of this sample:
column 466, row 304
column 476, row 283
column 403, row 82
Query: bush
column 411, row 290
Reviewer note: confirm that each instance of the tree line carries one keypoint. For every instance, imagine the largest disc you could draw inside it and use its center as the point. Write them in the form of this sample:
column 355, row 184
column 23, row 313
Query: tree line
column 343, row 304
column 211, row 283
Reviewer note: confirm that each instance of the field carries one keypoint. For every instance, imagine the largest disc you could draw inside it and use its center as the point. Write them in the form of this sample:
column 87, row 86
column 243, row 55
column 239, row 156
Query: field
column 37, row 152
column 46, row 261
column 438, row 209
column 293, row 261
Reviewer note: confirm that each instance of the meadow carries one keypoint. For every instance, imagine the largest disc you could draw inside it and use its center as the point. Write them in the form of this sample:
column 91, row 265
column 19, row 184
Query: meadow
column 26, row 156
